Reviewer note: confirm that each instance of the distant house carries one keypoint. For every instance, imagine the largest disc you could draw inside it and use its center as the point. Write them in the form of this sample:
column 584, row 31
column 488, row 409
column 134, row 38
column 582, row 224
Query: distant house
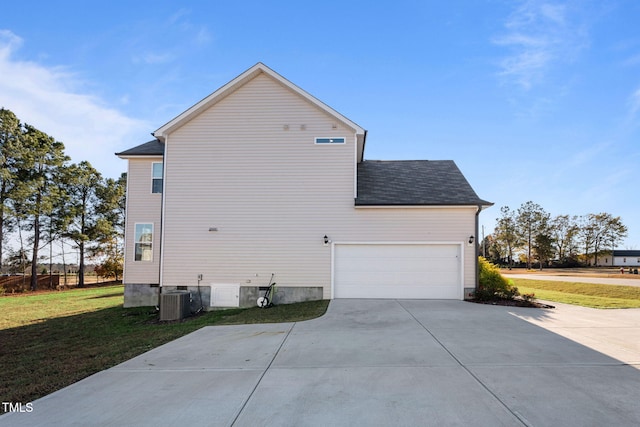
column 261, row 178
column 621, row 258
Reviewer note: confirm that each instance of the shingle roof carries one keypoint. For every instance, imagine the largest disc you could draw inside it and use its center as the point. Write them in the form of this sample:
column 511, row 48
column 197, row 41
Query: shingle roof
column 151, row 148
column 414, row 182
column 628, row 252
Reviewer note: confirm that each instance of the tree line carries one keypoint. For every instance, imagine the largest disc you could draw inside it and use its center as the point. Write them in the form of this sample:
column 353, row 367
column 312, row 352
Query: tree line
column 531, row 234
column 45, row 200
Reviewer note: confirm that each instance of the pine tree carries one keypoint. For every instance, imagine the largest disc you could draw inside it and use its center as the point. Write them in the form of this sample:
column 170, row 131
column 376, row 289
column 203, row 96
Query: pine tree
column 10, row 150
column 38, row 176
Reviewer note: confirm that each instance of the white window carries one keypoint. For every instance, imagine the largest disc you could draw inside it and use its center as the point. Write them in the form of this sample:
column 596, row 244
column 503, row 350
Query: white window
column 144, row 242
column 156, row 177
column 329, row 140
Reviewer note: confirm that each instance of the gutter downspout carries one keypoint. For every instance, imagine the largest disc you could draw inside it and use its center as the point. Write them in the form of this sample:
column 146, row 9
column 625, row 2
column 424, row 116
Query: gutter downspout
column 476, row 248
column 364, row 143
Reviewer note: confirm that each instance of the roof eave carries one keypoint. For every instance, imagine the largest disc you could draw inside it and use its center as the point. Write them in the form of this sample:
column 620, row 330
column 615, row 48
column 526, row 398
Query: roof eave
column 422, row 205
column 139, row 156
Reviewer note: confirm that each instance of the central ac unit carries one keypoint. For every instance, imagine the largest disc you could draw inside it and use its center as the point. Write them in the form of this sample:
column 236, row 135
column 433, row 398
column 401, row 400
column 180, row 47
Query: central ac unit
column 175, row 305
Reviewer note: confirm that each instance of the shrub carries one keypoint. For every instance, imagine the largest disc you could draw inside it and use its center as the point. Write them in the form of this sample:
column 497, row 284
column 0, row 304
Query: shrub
column 492, row 284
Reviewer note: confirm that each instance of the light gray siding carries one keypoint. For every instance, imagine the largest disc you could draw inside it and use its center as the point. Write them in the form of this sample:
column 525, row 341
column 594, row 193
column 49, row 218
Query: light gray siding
column 142, row 207
column 249, row 167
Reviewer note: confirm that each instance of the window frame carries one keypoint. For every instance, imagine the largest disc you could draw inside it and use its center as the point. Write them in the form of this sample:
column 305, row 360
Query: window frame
column 329, row 140
column 155, row 178
column 137, row 240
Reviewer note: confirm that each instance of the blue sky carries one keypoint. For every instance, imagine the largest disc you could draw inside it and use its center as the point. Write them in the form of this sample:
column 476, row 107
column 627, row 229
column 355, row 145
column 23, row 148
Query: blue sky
column 534, row 100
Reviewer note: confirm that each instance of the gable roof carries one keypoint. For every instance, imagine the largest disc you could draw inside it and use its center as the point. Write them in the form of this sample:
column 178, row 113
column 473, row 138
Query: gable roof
column 242, row 79
column 152, row 148
column 414, row 183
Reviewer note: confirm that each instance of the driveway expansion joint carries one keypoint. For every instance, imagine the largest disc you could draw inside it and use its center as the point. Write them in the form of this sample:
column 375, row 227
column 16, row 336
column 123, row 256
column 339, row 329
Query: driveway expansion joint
column 474, row 376
column 264, row 372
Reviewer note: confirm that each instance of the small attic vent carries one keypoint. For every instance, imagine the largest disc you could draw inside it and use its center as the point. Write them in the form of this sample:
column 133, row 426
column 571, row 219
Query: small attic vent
column 329, row 140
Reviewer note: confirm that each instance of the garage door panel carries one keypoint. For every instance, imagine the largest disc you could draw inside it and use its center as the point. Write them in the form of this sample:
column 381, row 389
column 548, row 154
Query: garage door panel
column 414, row 263
column 397, row 271
column 383, row 264
column 356, row 279
column 400, row 292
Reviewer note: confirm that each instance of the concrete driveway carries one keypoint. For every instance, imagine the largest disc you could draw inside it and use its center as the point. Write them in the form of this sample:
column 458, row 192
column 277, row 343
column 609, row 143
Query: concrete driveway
column 375, row 363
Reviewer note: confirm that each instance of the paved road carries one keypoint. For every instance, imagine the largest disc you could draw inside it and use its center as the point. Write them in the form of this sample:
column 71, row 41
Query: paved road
column 581, row 279
column 375, row 363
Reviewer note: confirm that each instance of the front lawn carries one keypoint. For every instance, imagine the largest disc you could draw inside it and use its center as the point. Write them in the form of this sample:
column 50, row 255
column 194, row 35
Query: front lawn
column 53, row 339
column 584, row 294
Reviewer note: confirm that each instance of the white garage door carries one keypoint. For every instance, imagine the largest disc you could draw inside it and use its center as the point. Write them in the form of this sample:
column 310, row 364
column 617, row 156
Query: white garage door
column 401, row 271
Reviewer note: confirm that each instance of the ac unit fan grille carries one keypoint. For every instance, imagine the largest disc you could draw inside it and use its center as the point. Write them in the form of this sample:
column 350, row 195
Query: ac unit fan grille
column 175, row 305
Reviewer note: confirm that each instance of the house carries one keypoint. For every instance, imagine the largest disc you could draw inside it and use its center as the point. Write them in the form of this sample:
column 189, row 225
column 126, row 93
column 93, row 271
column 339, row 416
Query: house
column 261, row 178
column 621, row 258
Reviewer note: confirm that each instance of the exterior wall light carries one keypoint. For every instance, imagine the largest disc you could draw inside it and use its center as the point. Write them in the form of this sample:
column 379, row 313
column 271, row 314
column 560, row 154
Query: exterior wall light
column 471, row 239
column 326, row 240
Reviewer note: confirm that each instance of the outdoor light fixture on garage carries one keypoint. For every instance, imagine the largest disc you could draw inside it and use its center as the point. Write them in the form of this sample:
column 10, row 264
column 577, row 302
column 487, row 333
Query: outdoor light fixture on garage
column 326, row 240
column 471, row 239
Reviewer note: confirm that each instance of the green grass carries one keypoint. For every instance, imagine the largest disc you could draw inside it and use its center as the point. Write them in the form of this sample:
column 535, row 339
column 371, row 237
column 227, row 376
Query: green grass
column 51, row 340
column 584, row 294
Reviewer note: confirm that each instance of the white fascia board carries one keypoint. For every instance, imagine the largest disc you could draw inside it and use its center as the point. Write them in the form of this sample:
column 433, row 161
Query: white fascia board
column 397, row 242
column 147, row 156
column 416, row 207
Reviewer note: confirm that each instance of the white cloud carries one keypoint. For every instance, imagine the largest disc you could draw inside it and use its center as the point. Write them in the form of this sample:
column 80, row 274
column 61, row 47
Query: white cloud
column 634, row 104
column 631, row 61
column 203, row 37
column 150, row 58
column 588, row 154
column 539, row 35
column 8, row 42
column 49, row 99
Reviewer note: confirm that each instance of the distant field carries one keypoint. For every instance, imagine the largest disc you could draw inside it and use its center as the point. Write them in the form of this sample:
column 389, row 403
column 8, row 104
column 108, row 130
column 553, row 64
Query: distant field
column 583, row 271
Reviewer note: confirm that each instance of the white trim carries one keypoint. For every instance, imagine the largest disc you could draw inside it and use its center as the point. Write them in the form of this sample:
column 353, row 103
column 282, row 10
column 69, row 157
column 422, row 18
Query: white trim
column 153, row 177
column 401, row 242
column 135, row 240
column 126, row 224
column 460, row 244
column 146, row 156
column 162, row 212
column 355, row 168
column 416, row 207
